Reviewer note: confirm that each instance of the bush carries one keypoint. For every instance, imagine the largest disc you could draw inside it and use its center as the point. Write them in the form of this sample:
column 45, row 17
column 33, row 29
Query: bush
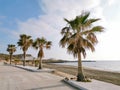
column 36, row 63
column 16, row 61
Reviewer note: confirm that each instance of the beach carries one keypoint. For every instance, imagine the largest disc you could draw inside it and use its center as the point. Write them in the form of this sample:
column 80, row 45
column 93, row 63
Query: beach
column 106, row 76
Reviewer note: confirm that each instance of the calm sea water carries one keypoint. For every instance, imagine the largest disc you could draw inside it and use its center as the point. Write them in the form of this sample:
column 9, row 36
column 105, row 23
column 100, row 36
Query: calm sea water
column 102, row 65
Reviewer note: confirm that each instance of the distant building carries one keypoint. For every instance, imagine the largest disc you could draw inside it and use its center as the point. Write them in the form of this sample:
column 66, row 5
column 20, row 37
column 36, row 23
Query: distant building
column 27, row 58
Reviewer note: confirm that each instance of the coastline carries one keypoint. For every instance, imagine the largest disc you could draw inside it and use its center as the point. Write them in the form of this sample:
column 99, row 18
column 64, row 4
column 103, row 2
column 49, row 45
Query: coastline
column 113, row 66
column 102, row 75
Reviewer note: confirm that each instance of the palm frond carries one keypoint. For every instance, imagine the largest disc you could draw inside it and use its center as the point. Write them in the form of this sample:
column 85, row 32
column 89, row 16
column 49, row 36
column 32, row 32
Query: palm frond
column 90, row 46
column 82, row 50
column 72, row 38
column 48, row 44
column 92, row 38
column 93, row 20
column 93, row 30
column 84, row 16
column 66, row 20
column 97, row 29
column 63, row 41
column 72, row 50
column 65, row 30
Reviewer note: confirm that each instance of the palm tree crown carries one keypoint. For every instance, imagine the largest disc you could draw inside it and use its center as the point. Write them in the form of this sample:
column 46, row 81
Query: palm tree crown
column 79, row 34
column 24, row 42
column 11, row 49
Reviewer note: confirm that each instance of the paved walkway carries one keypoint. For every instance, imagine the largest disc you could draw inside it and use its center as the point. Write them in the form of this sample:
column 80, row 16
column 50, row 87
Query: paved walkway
column 94, row 85
column 12, row 78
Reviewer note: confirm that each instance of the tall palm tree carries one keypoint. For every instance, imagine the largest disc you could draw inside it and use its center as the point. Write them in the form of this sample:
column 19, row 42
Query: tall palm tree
column 79, row 34
column 41, row 43
column 11, row 49
column 24, row 42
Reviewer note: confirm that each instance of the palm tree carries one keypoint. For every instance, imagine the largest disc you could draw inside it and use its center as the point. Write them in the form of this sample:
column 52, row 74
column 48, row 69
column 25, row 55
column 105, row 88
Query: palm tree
column 79, row 35
column 41, row 43
column 24, row 42
column 11, row 49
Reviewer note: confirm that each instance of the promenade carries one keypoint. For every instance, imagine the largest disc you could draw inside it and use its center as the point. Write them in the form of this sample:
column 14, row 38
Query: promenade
column 12, row 78
column 29, row 78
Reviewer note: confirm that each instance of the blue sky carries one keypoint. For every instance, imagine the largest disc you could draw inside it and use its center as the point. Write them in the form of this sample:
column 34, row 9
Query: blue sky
column 45, row 18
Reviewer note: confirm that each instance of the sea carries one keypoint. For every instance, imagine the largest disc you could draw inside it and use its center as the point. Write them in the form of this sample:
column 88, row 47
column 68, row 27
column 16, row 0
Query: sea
column 101, row 65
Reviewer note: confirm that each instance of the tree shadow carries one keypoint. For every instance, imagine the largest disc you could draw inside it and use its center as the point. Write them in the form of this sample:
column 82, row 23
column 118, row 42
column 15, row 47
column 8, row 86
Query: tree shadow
column 48, row 87
column 62, row 84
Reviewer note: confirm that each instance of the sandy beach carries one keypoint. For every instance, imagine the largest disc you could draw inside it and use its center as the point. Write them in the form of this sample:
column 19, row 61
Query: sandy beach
column 106, row 76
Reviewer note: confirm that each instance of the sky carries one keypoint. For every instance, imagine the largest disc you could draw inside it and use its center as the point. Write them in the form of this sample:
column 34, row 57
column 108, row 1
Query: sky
column 45, row 18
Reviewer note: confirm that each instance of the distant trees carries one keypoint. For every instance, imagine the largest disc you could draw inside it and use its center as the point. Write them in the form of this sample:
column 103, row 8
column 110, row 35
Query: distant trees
column 79, row 35
column 11, row 49
column 41, row 43
column 24, row 42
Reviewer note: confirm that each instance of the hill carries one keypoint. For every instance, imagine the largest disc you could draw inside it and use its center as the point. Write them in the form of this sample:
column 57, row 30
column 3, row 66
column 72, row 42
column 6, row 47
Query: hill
column 6, row 56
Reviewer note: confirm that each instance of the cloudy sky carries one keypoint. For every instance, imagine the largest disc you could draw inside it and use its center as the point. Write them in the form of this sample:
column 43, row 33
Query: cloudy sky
column 45, row 18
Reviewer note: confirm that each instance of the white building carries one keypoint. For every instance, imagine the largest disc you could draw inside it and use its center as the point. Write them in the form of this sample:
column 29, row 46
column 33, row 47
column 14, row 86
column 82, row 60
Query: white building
column 27, row 58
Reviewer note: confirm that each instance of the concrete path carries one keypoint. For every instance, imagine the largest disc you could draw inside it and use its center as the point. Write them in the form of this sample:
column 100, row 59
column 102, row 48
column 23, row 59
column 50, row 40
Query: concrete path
column 94, row 85
column 12, row 78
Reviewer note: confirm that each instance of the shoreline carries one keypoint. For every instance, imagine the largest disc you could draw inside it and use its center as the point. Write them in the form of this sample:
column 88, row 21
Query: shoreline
column 116, row 69
column 102, row 75
column 106, row 70
column 94, row 68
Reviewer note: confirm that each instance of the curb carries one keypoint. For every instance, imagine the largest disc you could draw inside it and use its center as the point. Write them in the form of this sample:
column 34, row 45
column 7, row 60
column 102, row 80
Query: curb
column 69, row 82
column 32, row 70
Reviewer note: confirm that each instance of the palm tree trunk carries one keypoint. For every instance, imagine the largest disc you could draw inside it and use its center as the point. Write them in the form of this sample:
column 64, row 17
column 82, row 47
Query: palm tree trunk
column 80, row 76
column 10, row 58
column 40, row 63
column 24, row 54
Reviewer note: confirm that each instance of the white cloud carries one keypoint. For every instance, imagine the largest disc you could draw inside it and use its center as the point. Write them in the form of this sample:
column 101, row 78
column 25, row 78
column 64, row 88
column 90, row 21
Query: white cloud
column 2, row 17
column 111, row 2
column 57, row 6
column 68, row 8
column 50, row 23
column 35, row 27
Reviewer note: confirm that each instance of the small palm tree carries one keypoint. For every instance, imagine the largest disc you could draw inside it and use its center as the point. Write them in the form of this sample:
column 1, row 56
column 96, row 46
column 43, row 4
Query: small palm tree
column 79, row 35
column 41, row 43
column 11, row 49
column 24, row 42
